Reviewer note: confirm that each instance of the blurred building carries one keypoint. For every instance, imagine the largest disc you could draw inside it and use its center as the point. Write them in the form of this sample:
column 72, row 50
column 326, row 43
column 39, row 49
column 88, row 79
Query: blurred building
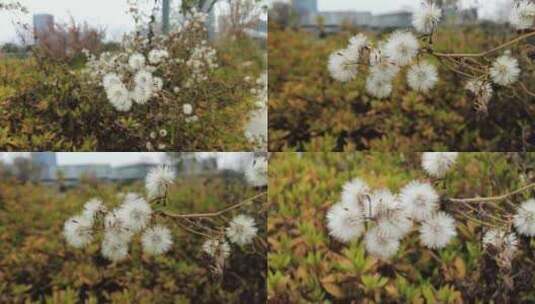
column 45, row 162
column 398, row 19
column 311, row 19
column 338, row 18
column 42, row 23
column 52, row 173
column 305, row 7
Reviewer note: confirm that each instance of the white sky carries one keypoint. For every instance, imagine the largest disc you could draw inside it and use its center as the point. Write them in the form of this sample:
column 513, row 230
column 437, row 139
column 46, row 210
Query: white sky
column 487, row 7
column 225, row 160
column 108, row 14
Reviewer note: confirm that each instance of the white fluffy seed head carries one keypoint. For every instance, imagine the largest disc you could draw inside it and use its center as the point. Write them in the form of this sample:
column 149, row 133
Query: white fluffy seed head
column 524, row 220
column 380, row 246
column 401, row 48
column 113, row 248
column 482, row 91
column 422, row 77
column 111, row 79
column 156, row 240
column 522, row 15
column 378, row 87
column 241, row 230
column 419, row 199
column 354, row 191
column 187, row 109
column 437, row 164
column 136, row 61
column 343, row 64
column 426, row 19
column 500, row 239
column 93, row 207
column 394, row 226
column 216, row 248
column 382, row 203
column 505, row 70
column 77, row 231
column 158, row 180
column 119, row 97
column 256, row 173
column 345, row 222
column 135, row 213
column 437, row 231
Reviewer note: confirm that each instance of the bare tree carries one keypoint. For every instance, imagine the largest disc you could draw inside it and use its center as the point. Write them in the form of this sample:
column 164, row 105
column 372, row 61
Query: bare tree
column 281, row 14
column 25, row 170
column 243, row 15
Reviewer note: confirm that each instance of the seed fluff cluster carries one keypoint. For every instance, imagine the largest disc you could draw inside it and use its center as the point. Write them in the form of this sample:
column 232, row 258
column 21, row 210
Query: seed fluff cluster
column 385, row 218
column 135, row 74
column 158, row 181
column 241, row 231
column 437, row 164
column 402, row 48
column 385, row 61
column 119, row 227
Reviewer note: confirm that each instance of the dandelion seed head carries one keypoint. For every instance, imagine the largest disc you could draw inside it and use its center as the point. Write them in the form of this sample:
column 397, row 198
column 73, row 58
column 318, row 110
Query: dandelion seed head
column 345, row 222
column 437, row 164
column 422, row 77
column 156, row 240
column 426, row 19
column 437, row 231
column 505, row 70
column 524, row 220
column 158, row 180
column 241, row 230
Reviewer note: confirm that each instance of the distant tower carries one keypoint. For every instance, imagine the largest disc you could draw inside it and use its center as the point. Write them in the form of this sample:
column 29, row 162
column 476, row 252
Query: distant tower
column 46, row 161
column 42, row 24
column 211, row 19
column 166, row 9
column 305, row 7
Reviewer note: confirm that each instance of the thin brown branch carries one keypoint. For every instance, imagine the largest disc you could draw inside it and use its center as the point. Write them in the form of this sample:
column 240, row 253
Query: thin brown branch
column 492, row 198
column 212, row 214
column 483, row 54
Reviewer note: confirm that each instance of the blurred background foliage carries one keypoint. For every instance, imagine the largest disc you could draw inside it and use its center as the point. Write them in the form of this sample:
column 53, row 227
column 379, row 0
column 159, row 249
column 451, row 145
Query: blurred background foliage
column 36, row 265
column 307, row 266
column 310, row 111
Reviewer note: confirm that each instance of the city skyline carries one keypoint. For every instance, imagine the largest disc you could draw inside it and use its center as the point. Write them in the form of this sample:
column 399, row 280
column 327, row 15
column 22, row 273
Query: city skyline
column 487, row 10
column 114, row 19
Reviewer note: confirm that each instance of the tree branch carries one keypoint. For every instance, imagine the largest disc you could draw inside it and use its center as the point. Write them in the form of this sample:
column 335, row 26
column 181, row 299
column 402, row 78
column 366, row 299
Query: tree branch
column 492, row 198
column 483, row 54
column 212, row 214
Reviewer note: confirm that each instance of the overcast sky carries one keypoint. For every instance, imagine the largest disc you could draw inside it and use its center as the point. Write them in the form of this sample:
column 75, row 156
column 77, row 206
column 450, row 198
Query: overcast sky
column 225, row 160
column 108, row 14
column 487, row 7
